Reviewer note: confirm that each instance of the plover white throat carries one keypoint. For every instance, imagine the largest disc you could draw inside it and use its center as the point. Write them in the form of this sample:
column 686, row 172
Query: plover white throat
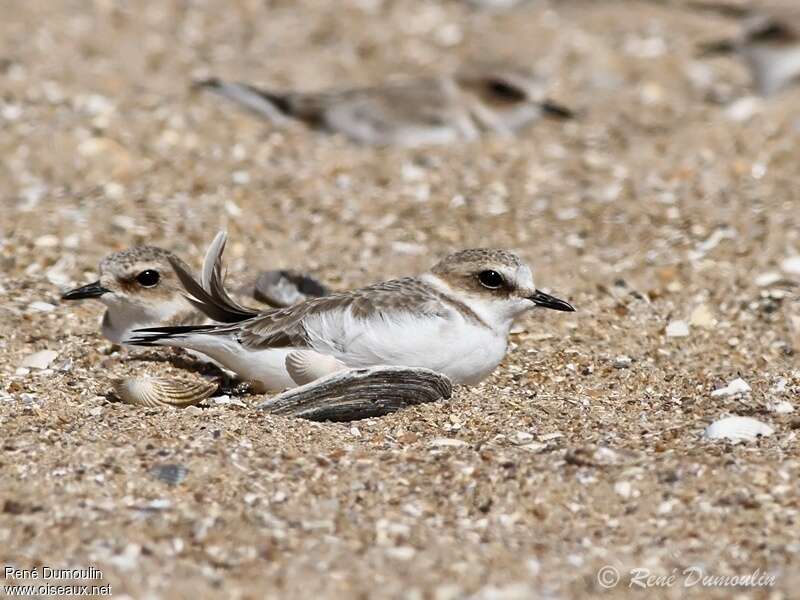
column 438, row 110
column 454, row 320
column 769, row 44
column 140, row 288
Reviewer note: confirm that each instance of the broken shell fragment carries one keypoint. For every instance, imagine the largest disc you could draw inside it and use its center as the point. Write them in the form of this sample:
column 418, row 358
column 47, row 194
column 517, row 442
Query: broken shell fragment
column 360, row 393
column 736, row 387
column 39, row 360
column 737, row 429
column 162, row 391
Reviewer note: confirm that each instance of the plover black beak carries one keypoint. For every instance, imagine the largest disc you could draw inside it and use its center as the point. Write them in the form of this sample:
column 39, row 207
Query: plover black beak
column 718, row 48
column 90, row 290
column 548, row 301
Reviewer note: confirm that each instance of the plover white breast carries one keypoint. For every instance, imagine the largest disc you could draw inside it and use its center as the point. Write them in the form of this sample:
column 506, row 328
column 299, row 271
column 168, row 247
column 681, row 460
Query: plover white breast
column 769, row 44
column 140, row 288
column 498, row 98
column 454, row 320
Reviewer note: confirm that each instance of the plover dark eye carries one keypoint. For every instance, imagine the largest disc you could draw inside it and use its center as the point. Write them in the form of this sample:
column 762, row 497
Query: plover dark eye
column 505, row 91
column 491, row 279
column 148, row 278
column 771, row 32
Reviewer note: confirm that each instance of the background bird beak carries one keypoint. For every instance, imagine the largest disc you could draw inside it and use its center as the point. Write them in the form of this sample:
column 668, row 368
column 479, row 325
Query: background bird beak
column 717, row 48
column 548, row 301
column 90, row 290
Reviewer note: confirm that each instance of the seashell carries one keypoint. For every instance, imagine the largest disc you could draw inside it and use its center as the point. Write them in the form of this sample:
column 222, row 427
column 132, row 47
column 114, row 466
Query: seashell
column 39, row 360
column 737, row 429
column 162, row 391
column 735, row 387
column 170, row 473
column 360, row 393
column 284, row 288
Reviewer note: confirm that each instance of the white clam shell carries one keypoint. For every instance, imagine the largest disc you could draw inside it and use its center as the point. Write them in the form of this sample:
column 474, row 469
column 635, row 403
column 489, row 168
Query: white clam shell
column 162, row 391
column 39, row 360
column 737, row 429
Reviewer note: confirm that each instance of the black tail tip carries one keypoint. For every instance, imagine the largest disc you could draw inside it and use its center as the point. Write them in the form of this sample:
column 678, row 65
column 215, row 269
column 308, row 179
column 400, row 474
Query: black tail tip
column 716, row 48
column 208, row 83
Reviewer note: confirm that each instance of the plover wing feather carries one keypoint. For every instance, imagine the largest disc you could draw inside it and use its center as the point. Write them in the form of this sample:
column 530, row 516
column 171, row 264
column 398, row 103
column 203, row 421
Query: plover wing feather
column 286, row 327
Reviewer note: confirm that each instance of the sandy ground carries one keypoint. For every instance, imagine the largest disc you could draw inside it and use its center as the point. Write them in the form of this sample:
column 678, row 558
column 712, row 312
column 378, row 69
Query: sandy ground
column 671, row 198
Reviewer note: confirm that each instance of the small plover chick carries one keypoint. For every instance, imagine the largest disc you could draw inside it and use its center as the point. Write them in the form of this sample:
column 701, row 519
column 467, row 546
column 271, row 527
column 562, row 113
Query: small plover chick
column 140, row 288
column 438, row 110
column 454, row 319
column 769, row 44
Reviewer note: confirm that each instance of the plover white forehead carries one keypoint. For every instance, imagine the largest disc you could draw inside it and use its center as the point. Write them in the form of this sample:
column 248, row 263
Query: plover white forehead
column 454, row 320
column 769, row 44
column 499, row 98
column 140, row 288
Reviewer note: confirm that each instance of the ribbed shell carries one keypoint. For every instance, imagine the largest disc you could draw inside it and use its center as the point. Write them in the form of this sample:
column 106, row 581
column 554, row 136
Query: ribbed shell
column 163, row 391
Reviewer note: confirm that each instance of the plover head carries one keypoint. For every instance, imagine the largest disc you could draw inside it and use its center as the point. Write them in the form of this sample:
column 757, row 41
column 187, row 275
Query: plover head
column 140, row 288
column 496, row 284
column 505, row 96
column 769, row 43
column 771, row 48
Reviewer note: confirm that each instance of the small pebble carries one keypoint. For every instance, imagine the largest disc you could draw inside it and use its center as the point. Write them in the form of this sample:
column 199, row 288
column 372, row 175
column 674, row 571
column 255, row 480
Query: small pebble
column 677, row 329
column 446, row 442
column 702, row 317
column 622, row 362
column 46, row 241
column 40, row 306
column 767, row 279
column 780, row 407
column 791, row 265
column 623, row 489
column 171, row 473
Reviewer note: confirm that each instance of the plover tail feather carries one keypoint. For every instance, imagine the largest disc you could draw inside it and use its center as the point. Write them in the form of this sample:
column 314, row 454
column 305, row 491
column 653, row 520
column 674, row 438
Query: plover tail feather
column 166, row 336
column 274, row 106
column 210, row 296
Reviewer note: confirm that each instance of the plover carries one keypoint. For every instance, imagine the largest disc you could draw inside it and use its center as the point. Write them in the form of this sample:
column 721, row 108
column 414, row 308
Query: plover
column 438, row 110
column 140, row 288
column 454, row 320
column 769, row 44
